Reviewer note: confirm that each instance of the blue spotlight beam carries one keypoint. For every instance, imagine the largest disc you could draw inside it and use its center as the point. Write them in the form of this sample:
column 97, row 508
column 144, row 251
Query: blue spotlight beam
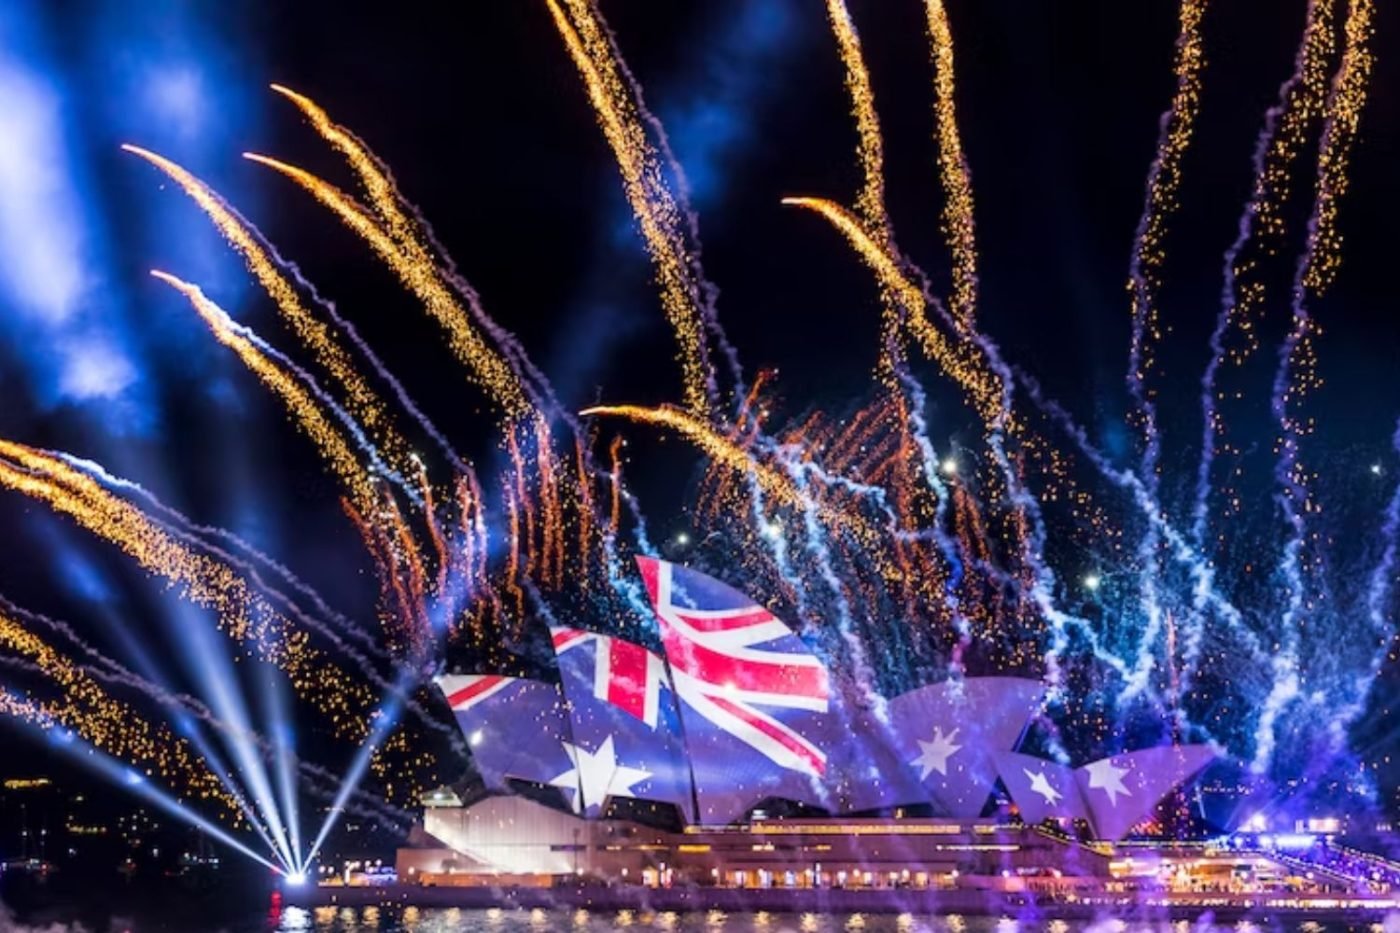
column 217, row 677
column 284, row 761
column 384, row 722
column 123, row 775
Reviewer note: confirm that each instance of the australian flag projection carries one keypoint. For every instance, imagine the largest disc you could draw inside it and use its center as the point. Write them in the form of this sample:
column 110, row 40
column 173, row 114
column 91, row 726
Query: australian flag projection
column 739, row 710
column 950, row 732
column 1042, row 789
column 1124, row 790
column 754, row 698
column 626, row 728
column 866, row 770
column 515, row 728
column 1114, row 794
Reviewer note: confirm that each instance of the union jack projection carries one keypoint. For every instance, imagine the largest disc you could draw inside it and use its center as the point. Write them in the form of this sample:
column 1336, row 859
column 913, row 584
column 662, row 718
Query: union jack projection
column 626, row 728
column 753, row 694
column 740, row 710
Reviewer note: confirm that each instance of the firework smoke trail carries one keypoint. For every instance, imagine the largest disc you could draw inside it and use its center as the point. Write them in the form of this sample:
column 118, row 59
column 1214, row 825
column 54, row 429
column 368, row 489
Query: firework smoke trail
column 959, row 359
column 1297, row 376
column 106, row 670
column 244, row 613
column 1300, row 99
column 652, row 203
column 803, row 472
column 743, row 435
column 303, row 397
column 959, row 226
column 870, row 151
column 49, row 726
column 1380, row 592
column 1176, row 129
column 974, row 362
column 707, row 293
column 1200, row 569
column 180, row 526
column 264, row 263
column 947, row 546
column 407, row 226
column 488, row 369
column 110, row 723
column 109, row 672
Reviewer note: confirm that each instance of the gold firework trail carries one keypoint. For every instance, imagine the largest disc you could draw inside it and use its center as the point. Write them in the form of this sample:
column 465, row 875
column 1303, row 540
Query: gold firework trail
column 959, row 358
column 361, row 400
column 488, row 368
column 1345, row 104
column 105, row 722
column 870, row 151
column 242, row 613
column 1304, row 104
column 440, row 548
column 383, row 195
column 309, row 414
column 1164, row 183
column 959, row 226
column 615, row 487
column 1238, row 335
column 1322, row 256
column 722, row 450
column 643, row 181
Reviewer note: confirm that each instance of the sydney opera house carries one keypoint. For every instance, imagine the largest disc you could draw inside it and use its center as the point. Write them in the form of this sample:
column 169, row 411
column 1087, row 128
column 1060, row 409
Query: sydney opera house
column 732, row 758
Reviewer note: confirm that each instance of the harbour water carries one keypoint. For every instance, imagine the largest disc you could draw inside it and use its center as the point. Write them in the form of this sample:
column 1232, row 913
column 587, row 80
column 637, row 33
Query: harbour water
column 451, row 920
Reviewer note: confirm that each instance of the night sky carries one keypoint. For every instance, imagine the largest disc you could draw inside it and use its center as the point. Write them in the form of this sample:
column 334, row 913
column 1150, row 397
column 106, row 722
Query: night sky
column 478, row 110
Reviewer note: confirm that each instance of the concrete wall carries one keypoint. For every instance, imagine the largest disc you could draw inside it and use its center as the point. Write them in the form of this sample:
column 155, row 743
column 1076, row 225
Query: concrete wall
column 513, row 834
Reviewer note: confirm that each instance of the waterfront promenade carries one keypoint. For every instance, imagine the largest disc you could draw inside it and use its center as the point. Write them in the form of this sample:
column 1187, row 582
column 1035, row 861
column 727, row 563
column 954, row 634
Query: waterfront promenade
column 1343, row 908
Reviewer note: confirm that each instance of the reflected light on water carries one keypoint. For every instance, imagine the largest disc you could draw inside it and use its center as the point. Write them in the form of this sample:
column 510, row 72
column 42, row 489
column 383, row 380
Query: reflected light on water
column 390, row 918
column 293, row 918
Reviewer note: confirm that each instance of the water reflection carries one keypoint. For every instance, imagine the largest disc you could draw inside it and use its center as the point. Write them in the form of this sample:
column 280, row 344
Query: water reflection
column 496, row 920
